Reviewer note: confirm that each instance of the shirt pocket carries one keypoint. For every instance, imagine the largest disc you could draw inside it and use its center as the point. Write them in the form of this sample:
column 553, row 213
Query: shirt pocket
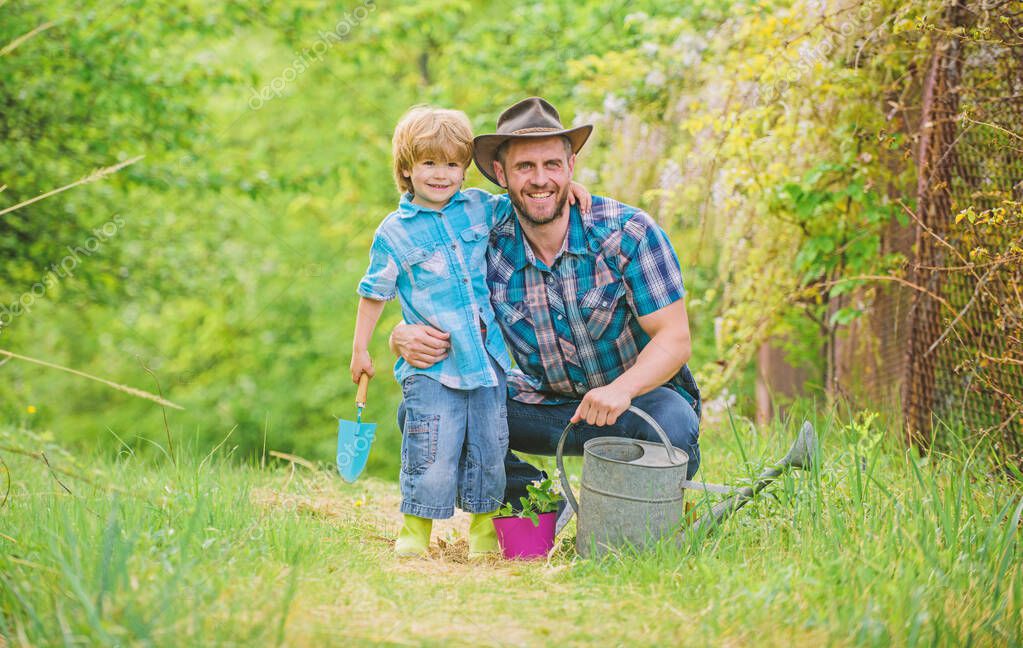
column 476, row 239
column 517, row 327
column 426, row 265
column 600, row 306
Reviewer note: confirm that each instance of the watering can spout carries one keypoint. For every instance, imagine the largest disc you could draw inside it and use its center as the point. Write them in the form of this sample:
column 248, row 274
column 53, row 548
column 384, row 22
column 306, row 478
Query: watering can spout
column 803, row 452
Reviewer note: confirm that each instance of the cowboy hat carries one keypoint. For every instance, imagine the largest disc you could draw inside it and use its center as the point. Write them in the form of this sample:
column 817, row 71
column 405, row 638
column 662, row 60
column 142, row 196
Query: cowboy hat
column 531, row 118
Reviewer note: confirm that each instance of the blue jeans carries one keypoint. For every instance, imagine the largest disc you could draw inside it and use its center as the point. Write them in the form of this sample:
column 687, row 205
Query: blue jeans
column 453, row 447
column 536, row 429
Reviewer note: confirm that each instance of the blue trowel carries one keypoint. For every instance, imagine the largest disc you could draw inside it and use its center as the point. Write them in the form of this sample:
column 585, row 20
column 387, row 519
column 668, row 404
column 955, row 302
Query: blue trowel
column 355, row 438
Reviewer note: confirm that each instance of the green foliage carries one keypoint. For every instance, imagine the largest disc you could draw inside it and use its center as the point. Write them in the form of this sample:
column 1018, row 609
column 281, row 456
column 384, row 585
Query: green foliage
column 841, row 219
column 99, row 84
column 232, row 276
column 541, row 497
column 247, row 225
column 266, row 133
column 758, row 133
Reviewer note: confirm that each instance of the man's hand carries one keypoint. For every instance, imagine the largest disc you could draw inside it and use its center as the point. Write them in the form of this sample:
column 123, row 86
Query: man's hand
column 362, row 363
column 602, row 406
column 422, row 346
column 578, row 194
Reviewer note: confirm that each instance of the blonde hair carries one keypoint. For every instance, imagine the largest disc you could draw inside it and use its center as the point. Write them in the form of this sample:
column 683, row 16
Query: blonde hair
column 424, row 133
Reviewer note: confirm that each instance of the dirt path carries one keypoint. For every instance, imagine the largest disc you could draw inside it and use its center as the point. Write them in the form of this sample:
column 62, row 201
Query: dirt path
column 372, row 502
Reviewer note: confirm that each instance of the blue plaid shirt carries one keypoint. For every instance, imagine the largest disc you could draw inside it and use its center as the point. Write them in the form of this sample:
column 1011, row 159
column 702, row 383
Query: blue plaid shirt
column 434, row 263
column 573, row 327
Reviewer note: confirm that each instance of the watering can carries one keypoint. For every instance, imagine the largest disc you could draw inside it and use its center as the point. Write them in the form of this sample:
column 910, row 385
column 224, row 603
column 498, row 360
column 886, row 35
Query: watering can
column 632, row 491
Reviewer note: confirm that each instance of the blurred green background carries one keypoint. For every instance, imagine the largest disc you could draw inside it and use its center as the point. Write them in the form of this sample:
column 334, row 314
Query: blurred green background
column 266, row 130
column 231, row 252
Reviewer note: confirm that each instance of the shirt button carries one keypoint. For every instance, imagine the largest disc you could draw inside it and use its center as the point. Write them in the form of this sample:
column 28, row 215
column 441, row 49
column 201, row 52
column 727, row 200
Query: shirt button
column 560, row 318
column 454, row 247
column 603, row 303
column 549, row 279
column 465, row 281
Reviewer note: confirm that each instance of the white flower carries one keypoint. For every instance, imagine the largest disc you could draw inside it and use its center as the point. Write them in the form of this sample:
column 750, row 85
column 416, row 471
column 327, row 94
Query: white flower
column 655, row 78
column 614, row 105
column 671, row 176
column 638, row 17
column 587, row 176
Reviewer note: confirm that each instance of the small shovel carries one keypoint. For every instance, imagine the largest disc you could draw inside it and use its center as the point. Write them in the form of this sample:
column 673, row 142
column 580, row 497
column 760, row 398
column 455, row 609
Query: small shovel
column 355, row 438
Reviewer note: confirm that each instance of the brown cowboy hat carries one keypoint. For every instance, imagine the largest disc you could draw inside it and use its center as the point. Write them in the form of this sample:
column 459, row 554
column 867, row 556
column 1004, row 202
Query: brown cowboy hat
column 531, row 118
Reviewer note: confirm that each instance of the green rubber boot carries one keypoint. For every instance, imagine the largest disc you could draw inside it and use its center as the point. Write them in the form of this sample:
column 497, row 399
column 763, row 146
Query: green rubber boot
column 414, row 537
column 482, row 535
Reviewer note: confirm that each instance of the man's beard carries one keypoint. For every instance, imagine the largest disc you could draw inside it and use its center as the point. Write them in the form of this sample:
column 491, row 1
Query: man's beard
column 559, row 207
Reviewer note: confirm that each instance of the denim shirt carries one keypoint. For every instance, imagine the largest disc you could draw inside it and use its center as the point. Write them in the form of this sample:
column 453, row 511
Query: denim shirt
column 434, row 262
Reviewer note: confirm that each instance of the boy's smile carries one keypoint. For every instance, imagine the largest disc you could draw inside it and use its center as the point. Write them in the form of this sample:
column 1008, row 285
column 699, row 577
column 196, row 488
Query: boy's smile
column 435, row 181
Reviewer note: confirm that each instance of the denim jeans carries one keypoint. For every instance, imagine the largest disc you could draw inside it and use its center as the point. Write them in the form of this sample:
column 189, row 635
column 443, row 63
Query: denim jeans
column 536, row 429
column 453, row 447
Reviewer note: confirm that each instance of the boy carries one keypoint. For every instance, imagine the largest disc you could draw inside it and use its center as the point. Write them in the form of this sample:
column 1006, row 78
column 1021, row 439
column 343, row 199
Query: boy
column 431, row 254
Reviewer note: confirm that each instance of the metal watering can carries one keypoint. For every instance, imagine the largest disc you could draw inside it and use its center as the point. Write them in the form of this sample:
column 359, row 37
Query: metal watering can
column 632, row 491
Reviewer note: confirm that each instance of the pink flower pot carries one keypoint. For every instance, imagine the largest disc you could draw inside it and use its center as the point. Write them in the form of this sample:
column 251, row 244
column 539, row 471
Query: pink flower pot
column 520, row 539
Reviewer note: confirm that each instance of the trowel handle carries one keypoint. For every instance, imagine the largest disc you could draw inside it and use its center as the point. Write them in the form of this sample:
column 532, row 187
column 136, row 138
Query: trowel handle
column 360, row 394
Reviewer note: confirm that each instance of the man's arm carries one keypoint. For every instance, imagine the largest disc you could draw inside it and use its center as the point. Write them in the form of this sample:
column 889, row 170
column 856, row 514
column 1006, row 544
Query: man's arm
column 669, row 348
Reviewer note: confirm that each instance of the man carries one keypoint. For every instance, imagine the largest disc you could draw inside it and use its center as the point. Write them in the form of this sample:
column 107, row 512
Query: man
column 591, row 305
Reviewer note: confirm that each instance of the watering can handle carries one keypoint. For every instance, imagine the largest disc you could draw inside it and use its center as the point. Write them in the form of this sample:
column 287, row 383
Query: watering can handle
column 571, row 426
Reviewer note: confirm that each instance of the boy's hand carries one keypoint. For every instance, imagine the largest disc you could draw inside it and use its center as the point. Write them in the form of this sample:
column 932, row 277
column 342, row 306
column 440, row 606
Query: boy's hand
column 362, row 363
column 578, row 194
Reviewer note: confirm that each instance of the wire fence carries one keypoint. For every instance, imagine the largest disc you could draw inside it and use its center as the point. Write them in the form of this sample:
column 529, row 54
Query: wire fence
column 962, row 361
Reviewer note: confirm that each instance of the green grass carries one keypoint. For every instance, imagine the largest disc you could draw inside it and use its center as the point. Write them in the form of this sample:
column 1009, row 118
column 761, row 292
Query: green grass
column 879, row 547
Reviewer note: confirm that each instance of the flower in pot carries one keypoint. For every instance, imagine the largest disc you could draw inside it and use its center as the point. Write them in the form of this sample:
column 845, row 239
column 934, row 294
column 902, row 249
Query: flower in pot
column 528, row 531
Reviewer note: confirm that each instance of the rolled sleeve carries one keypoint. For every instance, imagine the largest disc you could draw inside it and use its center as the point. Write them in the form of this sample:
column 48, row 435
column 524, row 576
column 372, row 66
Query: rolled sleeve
column 494, row 207
column 498, row 209
column 652, row 273
column 381, row 277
